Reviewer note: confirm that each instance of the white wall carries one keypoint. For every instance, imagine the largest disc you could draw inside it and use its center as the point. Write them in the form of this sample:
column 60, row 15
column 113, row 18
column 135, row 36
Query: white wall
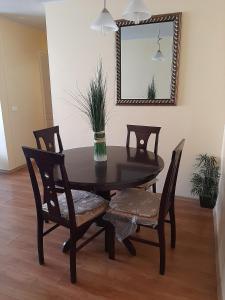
column 199, row 117
column 3, row 148
column 20, row 87
column 220, row 223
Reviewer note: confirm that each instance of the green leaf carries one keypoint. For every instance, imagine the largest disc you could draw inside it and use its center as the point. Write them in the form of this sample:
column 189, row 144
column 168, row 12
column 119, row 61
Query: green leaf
column 93, row 105
column 205, row 179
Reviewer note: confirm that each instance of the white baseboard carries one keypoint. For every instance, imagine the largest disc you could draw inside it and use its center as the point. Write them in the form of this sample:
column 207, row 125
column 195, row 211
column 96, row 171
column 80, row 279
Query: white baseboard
column 13, row 170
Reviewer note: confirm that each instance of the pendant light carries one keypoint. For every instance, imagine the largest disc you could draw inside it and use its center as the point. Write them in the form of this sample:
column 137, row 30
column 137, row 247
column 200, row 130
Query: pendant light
column 158, row 56
column 104, row 22
column 136, row 11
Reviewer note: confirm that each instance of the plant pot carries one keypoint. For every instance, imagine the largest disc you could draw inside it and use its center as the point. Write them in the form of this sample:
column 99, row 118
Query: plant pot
column 207, row 201
column 100, row 147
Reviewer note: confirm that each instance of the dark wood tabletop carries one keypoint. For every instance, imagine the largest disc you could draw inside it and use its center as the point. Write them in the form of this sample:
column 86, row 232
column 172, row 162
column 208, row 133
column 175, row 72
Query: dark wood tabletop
column 125, row 167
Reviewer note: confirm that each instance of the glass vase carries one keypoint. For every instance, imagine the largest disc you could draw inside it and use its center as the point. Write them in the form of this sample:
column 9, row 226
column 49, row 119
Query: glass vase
column 100, row 146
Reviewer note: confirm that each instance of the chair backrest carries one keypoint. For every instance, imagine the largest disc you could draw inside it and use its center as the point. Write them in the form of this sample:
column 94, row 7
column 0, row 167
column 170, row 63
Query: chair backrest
column 168, row 194
column 143, row 134
column 48, row 136
column 49, row 164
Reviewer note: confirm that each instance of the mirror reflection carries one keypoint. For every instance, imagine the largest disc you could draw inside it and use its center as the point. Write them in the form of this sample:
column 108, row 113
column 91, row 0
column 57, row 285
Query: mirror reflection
column 146, row 61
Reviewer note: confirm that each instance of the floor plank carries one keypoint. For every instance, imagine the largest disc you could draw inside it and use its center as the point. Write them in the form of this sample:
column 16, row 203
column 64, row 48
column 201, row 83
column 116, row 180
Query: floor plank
column 190, row 272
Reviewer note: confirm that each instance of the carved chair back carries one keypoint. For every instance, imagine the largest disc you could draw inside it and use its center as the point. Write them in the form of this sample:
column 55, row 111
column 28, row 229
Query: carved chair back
column 143, row 134
column 50, row 166
column 48, row 135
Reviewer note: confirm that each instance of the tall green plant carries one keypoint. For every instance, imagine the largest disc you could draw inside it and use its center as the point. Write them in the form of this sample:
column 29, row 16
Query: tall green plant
column 93, row 105
column 152, row 89
column 205, row 179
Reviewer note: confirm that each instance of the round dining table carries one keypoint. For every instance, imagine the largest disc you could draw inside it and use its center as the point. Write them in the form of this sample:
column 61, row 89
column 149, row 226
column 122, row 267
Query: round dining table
column 124, row 168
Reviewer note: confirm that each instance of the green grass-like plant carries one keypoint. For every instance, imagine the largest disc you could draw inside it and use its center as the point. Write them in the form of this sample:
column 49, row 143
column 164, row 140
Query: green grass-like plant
column 93, row 105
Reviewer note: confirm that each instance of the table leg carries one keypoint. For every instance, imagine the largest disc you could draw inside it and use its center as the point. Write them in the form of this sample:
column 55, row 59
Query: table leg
column 127, row 243
column 106, row 195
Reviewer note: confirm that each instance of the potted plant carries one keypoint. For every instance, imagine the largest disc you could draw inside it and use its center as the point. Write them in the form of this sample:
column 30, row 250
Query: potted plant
column 93, row 105
column 205, row 180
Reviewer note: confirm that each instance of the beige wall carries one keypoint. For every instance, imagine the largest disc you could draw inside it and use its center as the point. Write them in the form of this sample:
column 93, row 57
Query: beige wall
column 220, row 223
column 20, row 87
column 199, row 117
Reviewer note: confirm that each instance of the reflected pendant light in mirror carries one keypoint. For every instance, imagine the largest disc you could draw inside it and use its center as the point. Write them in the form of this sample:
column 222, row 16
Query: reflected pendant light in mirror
column 104, row 22
column 158, row 56
column 136, row 11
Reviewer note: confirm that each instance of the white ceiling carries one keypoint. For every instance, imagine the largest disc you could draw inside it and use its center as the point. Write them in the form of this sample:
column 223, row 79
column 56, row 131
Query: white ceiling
column 29, row 12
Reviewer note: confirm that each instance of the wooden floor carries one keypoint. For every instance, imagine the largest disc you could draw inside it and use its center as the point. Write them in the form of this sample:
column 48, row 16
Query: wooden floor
column 190, row 268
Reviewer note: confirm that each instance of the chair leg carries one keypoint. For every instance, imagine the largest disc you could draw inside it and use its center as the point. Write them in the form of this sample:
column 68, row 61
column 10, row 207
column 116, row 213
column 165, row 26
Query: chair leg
column 73, row 272
column 138, row 228
column 107, row 238
column 110, row 240
column 111, row 243
column 162, row 248
column 173, row 227
column 40, row 228
column 66, row 246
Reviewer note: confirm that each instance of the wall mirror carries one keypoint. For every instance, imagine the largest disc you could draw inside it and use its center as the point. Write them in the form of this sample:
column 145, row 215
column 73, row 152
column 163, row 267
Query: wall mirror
column 148, row 60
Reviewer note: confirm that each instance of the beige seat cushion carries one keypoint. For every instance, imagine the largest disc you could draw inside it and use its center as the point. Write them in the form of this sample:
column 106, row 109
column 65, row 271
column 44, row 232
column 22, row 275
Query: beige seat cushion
column 133, row 202
column 87, row 206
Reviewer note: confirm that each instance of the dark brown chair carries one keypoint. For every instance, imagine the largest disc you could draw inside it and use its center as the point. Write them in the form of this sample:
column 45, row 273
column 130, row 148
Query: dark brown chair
column 67, row 209
column 151, row 210
column 48, row 136
column 143, row 134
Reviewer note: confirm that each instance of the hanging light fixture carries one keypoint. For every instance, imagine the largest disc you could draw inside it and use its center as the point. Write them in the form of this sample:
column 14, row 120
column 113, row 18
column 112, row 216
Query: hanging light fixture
column 136, row 11
column 158, row 56
column 104, row 22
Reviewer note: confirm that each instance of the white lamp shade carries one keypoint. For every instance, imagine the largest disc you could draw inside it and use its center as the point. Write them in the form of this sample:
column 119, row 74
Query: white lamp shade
column 158, row 56
column 104, row 22
column 136, row 11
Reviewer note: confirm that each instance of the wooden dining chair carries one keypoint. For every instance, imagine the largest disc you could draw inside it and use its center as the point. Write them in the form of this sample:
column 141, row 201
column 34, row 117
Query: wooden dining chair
column 151, row 210
column 75, row 210
column 45, row 140
column 46, row 137
column 143, row 134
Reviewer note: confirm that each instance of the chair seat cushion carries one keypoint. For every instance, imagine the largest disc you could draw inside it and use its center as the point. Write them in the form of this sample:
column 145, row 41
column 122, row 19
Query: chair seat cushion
column 133, row 202
column 87, row 206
